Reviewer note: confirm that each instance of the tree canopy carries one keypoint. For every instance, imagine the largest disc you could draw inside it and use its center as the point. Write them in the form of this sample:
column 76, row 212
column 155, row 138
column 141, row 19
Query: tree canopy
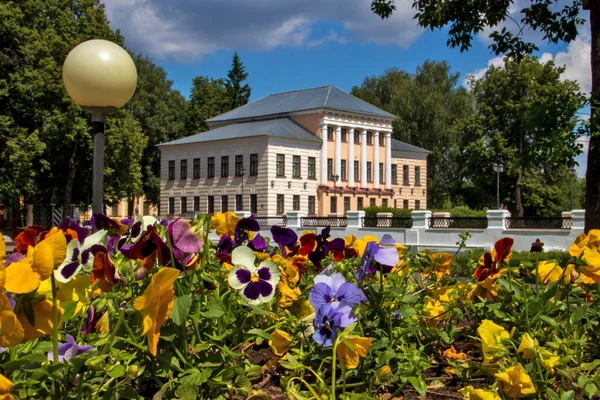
column 237, row 93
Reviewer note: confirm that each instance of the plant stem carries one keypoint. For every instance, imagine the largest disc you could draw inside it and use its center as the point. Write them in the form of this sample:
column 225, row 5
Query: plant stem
column 54, row 332
column 333, row 365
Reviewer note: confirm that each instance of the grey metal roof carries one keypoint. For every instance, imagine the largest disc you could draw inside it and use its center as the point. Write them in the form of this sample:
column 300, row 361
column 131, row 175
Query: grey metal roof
column 401, row 146
column 280, row 127
column 324, row 97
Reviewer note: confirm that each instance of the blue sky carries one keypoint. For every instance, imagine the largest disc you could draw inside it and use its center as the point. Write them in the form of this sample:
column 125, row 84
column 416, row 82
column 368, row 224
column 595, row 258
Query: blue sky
column 295, row 44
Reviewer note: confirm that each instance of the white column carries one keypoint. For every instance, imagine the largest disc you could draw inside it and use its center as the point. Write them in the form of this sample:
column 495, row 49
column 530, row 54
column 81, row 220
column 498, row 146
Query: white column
column 350, row 162
column 376, row 160
column 324, row 155
column 388, row 160
column 338, row 155
column 363, row 158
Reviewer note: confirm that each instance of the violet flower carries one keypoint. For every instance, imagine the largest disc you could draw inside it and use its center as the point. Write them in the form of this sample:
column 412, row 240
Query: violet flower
column 186, row 241
column 376, row 254
column 330, row 289
column 255, row 284
column 329, row 318
column 81, row 232
column 243, row 229
column 68, row 350
column 286, row 238
column 79, row 256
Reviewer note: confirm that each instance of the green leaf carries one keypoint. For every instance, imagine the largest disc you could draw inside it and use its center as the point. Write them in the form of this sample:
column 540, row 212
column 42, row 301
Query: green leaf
column 181, row 309
column 578, row 314
column 216, row 309
column 419, row 385
column 260, row 333
column 196, row 377
column 117, row 371
column 69, row 308
column 570, row 395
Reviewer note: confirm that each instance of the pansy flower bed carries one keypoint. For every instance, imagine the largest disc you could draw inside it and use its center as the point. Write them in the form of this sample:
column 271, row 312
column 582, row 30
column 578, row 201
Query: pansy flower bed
column 148, row 308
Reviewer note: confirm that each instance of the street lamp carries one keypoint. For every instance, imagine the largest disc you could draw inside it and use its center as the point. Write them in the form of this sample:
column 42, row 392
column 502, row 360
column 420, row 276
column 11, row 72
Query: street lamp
column 498, row 168
column 572, row 172
column 336, row 178
column 100, row 76
column 242, row 172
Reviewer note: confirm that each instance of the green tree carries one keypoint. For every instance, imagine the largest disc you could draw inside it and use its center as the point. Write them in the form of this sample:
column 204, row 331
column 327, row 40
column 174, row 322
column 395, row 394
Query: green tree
column 161, row 113
column 237, row 93
column 467, row 19
column 428, row 105
column 526, row 120
column 208, row 98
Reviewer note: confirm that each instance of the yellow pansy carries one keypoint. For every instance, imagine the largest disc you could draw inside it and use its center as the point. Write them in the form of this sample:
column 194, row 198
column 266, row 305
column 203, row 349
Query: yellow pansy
column 592, row 267
column 5, row 385
column 384, row 371
column 2, row 248
column 281, row 342
column 515, row 382
column 527, row 346
column 548, row 360
column 263, row 256
column 77, row 289
column 351, row 348
column 287, row 294
column 305, row 309
column 491, row 336
column 452, row 354
column 360, row 245
column 440, row 264
column 25, row 276
column 42, row 323
column 224, row 223
column 11, row 331
column 551, row 272
column 434, row 311
column 349, row 240
column 479, row 394
column 103, row 325
column 156, row 304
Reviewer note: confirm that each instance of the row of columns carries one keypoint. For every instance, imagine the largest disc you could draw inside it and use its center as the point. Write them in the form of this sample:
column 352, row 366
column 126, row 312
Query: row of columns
column 337, row 164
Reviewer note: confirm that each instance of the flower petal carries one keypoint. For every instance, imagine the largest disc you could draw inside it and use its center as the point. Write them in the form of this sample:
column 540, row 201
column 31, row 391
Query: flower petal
column 239, row 277
column 243, row 256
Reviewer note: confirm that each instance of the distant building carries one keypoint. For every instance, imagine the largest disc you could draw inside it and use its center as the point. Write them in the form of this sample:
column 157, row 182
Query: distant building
column 321, row 151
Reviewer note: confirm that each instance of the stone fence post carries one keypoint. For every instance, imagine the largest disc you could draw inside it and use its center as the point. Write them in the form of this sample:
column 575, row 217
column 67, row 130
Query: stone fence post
column 355, row 218
column 497, row 219
column 294, row 219
column 578, row 217
column 243, row 214
column 421, row 218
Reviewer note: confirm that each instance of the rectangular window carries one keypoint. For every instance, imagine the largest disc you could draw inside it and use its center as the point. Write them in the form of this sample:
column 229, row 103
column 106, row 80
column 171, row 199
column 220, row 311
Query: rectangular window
column 373, row 202
column 369, row 137
column 359, row 203
column 346, row 204
column 280, row 204
column 417, row 177
column 296, row 166
column 356, row 171
column 394, row 174
column 384, row 202
column 211, row 205
column 417, row 204
column 296, row 202
column 171, row 205
column 239, row 165
column 395, row 203
column 381, row 174
column 224, row 203
column 183, row 205
column 357, row 136
column 253, row 204
column 312, row 168
column 381, row 139
column 333, row 205
column 369, row 173
column 311, row 204
column 210, row 167
column 343, row 177
column 404, row 203
column 330, row 169
column 171, row 170
column 183, row 169
column 196, row 203
column 330, row 134
column 196, row 171
column 253, row 164
column 344, row 135
column 146, row 208
column 239, row 202
column 280, row 167
column 405, row 177
column 224, row 166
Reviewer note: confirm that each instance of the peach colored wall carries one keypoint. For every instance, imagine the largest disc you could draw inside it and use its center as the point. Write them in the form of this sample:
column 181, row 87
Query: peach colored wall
column 411, row 192
column 311, row 122
column 325, row 201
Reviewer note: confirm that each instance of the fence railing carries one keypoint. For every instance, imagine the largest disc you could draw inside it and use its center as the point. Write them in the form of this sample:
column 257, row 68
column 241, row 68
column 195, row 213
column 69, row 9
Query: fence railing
column 268, row 222
column 387, row 222
column 321, row 222
column 459, row 222
column 538, row 223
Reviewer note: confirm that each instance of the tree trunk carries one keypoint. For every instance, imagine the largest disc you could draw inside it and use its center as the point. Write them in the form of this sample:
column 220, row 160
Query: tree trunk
column 66, row 211
column 130, row 207
column 518, row 201
column 592, row 195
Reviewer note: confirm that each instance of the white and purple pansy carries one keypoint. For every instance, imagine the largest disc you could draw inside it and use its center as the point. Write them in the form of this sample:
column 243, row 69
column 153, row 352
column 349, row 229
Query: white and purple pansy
column 255, row 284
column 79, row 255
column 334, row 288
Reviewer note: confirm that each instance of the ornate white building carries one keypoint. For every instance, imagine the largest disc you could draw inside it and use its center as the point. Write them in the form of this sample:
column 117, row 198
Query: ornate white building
column 321, row 151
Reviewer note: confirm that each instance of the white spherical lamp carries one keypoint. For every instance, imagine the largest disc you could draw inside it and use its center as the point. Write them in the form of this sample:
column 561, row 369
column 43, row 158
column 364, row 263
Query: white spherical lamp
column 99, row 75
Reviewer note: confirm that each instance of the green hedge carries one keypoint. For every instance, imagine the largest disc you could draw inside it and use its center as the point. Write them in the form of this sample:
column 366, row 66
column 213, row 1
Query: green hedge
column 397, row 212
column 466, row 261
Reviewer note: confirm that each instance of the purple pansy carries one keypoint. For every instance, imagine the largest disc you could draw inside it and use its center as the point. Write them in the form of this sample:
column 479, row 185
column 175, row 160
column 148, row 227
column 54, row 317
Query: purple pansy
column 376, row 254
column 225, row 245
column 68, row 223
column 243, row 229
column 79, row 255
column 100, row 221
column 88, row 326
column 68, row 350
column 286, row 238
column 255, row 284
column 329, row 318
column 185, row 239
column 258, row 244
column 330, row 289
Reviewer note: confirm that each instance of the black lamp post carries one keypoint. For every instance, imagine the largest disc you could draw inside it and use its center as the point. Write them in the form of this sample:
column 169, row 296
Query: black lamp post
column 572, row 172
column 498, row 168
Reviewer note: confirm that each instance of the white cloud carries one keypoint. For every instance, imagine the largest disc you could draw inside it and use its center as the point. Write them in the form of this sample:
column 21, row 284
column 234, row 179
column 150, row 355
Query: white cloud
column 480, row 72
column 189, row 29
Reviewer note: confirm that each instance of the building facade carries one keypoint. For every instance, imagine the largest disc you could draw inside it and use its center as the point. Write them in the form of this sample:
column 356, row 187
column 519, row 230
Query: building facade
column 320, row 151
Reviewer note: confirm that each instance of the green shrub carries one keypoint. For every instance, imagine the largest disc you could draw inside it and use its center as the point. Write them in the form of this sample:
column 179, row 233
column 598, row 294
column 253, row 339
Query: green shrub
column 397, row 212
column 464, row 261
